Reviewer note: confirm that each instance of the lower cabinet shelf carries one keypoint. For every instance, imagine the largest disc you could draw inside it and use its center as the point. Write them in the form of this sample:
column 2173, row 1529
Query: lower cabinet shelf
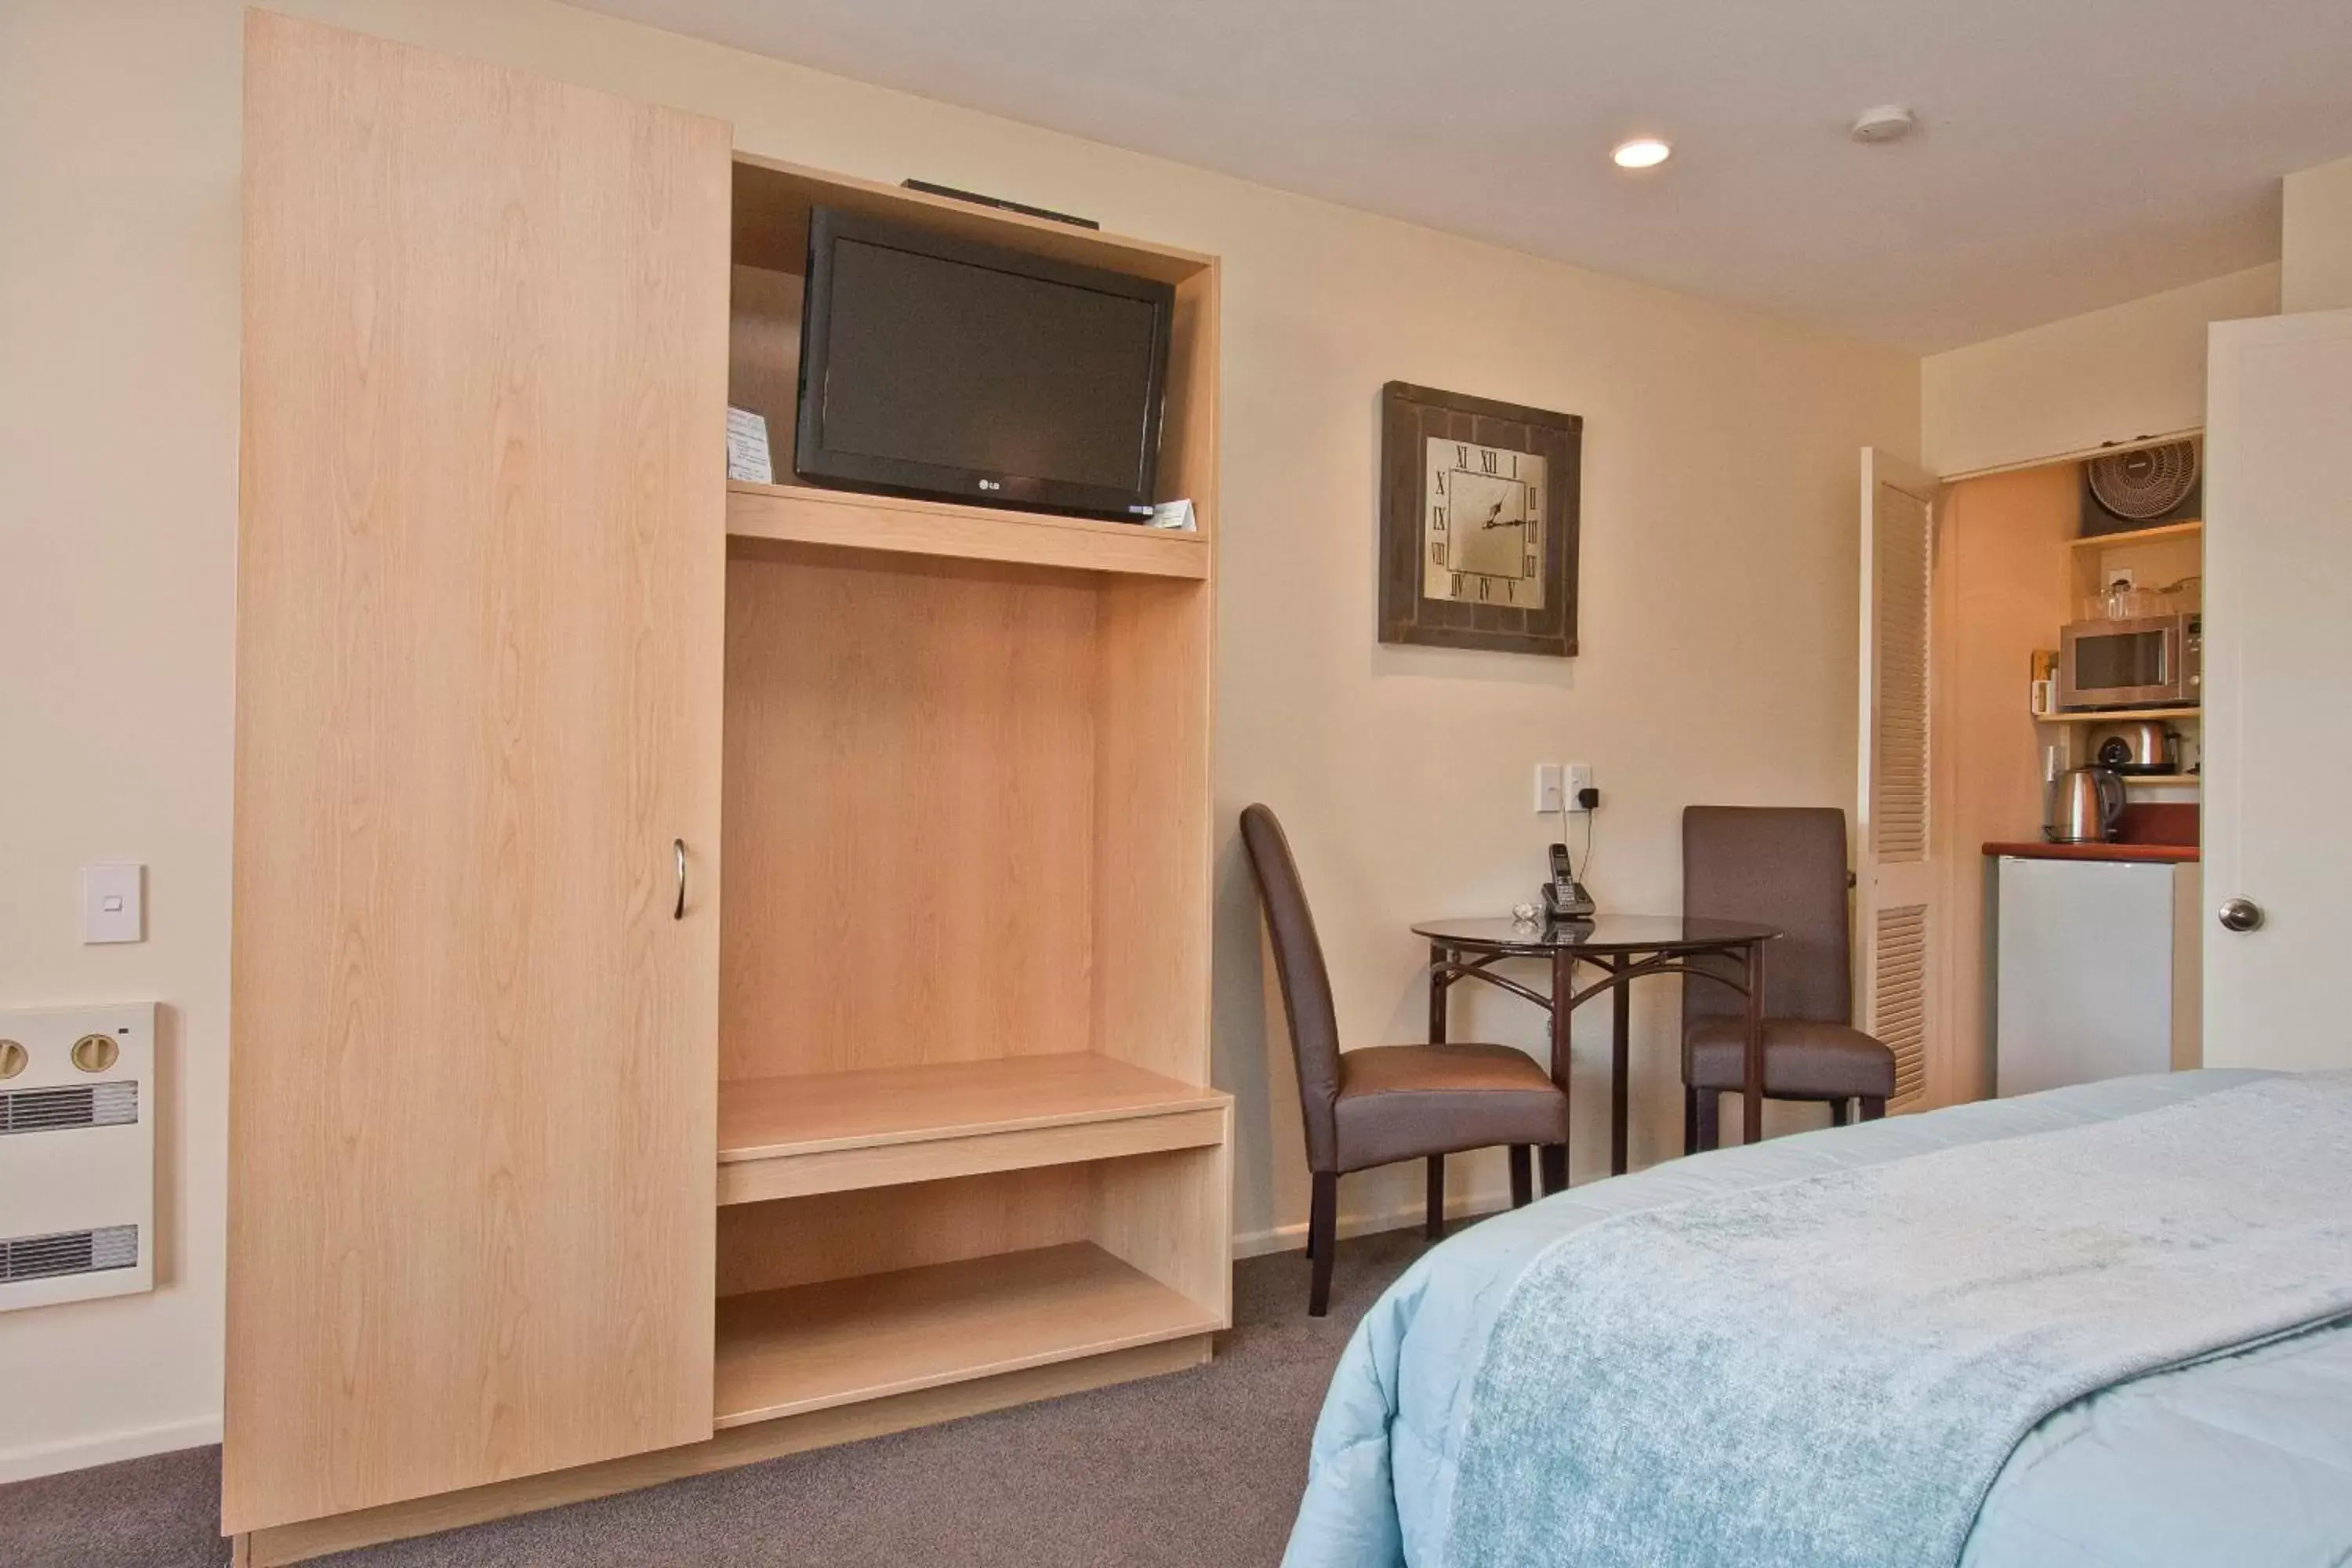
column 789, row 1137
column 813, row 1346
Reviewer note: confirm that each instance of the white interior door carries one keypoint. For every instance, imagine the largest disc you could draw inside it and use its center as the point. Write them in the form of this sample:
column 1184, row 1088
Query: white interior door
column 2278, row 685
column 1898, row 921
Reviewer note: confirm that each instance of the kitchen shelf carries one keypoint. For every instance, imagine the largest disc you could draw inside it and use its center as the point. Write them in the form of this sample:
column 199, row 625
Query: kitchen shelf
column 2119, row 716
column 2171, row 781
column 806, row 514
column 811, row 1346
column 2140, row 535
column 822, row 1132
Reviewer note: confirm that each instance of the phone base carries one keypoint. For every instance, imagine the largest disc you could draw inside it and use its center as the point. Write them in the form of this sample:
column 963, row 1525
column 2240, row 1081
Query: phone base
column 1577, row 906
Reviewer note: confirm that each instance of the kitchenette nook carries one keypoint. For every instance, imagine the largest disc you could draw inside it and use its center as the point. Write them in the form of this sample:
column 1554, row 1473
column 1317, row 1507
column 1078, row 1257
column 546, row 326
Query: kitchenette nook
column 2068, row 715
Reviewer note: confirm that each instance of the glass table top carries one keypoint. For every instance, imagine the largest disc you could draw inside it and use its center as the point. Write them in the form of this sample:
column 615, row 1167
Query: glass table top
column 1604, row 932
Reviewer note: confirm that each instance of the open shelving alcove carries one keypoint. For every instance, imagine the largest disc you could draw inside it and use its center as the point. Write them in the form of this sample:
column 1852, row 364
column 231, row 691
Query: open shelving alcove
column 965, row 1125
column 2165, row 556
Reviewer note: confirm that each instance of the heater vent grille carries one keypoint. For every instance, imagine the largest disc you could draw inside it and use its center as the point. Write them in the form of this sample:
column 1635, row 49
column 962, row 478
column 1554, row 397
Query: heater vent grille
column 111, row 1104
column 26, row 1257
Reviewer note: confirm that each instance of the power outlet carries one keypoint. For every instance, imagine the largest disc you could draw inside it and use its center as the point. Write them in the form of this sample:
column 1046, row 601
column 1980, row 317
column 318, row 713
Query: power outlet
column 1548, row 796
column 1579, row 779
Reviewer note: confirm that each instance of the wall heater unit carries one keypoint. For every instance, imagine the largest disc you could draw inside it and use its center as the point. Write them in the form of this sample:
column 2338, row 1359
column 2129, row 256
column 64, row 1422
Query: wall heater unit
column 76, row 1153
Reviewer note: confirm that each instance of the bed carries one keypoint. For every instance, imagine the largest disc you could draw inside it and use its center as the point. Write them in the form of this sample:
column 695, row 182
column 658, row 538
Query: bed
column 1500, row 1404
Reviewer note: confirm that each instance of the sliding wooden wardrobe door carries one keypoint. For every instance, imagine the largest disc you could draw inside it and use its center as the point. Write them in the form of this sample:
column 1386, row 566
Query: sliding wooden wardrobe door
column 481, row 590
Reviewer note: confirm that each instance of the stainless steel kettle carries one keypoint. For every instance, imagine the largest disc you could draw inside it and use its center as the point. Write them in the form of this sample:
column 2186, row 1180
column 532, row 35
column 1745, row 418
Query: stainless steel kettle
column 2086, row 805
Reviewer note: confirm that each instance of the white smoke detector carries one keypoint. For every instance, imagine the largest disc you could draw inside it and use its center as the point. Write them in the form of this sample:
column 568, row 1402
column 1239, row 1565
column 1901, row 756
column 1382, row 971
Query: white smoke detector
column 1887, row 123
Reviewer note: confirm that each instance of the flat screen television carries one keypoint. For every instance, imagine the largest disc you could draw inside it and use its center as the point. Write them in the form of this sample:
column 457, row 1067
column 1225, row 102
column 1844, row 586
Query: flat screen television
column 938, row 366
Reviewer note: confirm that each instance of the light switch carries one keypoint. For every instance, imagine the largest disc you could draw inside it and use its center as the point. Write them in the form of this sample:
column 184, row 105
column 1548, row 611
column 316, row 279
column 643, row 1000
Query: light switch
column 1547, row 796
column 113, row 903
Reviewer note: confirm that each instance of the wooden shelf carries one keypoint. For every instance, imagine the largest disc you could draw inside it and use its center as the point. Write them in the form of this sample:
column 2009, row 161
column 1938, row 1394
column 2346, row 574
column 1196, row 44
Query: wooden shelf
column 822, row 1132
column 772, row 198
column 2119, row 716
column 2139, row 536
column 813, row 1346
column 2169, row 781
column 805, row 514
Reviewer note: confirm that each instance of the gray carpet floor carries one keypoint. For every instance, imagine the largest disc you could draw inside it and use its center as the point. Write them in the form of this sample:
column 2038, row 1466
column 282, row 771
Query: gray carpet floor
column 1198, row 1468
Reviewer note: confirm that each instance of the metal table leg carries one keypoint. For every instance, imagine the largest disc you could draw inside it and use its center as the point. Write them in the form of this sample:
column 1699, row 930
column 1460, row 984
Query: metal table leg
column 1554, row 1157
column 1751, row 1077
column 1441, row 986
column 1621, row 1050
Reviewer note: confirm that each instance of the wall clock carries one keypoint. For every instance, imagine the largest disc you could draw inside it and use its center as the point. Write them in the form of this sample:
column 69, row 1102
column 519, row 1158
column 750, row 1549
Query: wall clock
column 1478, row 522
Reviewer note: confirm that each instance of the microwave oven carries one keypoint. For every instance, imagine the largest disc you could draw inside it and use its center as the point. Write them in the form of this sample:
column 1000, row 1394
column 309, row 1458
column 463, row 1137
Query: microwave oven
column 2157, row 661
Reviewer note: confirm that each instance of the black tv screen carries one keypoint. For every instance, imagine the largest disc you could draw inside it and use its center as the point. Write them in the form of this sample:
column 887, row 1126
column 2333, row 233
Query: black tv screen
column 936, row 367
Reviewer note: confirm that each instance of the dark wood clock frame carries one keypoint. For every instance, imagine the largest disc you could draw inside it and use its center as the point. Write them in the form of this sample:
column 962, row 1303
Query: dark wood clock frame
column 1410, row 416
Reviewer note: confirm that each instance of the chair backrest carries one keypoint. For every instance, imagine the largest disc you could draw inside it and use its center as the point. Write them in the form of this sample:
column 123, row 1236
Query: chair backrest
column 1306, row 984
column 1777, row 866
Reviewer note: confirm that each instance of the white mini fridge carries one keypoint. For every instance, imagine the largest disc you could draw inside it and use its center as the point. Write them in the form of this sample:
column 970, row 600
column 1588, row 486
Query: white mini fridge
column 2096, row 971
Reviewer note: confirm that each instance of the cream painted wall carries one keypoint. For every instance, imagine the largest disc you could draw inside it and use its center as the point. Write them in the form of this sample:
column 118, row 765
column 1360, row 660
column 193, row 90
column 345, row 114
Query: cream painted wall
column 1718, row 618
column 2130, row 370
column 2315, row 239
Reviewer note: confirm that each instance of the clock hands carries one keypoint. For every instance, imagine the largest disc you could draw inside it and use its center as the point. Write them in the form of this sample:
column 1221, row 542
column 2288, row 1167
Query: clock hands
column 1496, row 511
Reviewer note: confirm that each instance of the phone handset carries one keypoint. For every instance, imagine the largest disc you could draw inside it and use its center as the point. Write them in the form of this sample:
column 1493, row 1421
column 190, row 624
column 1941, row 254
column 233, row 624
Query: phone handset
column 1564, row 897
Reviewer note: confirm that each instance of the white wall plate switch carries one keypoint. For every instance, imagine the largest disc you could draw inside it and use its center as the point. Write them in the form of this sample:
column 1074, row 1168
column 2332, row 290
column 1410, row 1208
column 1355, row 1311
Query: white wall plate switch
column 1579, row 779
column 113, row 903
column 1548, row 788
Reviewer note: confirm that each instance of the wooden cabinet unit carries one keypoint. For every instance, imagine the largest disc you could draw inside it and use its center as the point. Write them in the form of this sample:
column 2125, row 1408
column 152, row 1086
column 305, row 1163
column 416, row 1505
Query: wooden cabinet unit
column 552, row 1173
column 480, row 577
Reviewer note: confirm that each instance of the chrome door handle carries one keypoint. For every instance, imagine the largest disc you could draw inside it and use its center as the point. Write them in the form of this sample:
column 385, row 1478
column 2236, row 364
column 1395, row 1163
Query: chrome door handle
column 2241, row 915
column 679, row 914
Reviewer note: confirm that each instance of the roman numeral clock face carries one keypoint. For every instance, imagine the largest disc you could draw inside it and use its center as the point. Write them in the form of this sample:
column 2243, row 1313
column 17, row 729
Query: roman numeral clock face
column 1482, row 524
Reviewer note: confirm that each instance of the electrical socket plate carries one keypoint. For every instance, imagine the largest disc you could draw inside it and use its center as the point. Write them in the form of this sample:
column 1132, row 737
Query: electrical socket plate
column 1579, row 779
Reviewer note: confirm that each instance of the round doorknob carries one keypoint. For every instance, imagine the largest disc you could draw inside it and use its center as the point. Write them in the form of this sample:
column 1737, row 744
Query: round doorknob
column 2241, row 915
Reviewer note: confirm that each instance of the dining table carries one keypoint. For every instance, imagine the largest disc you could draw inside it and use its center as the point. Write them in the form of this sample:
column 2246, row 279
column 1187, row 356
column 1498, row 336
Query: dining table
column 1623, row 948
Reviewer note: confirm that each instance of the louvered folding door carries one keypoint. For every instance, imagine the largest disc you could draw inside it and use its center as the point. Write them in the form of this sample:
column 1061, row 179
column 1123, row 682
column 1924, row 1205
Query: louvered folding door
column 1900, row 910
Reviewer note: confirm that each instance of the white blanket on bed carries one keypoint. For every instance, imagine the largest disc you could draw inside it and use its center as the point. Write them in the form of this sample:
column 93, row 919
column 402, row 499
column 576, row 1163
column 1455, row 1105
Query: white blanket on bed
column 1833, row 1370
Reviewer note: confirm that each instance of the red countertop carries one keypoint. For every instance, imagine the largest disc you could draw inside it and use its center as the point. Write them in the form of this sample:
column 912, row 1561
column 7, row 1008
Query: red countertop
column 2162, row 831
column 2035, row 849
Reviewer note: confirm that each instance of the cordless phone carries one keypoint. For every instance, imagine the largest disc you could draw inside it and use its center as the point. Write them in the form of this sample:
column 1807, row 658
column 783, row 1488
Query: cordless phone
column 1564, row 897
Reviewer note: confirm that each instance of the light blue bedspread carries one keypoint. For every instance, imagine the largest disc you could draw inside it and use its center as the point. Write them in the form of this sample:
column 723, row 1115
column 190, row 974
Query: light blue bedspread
column 2246, row 1457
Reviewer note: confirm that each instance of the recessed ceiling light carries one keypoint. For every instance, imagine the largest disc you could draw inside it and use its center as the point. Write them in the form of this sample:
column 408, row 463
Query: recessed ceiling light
column 1642, row 152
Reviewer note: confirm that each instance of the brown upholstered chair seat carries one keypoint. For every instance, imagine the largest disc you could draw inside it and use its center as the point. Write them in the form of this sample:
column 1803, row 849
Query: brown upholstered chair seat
column 1802, row 1059
column 1368, row 1107
column 1785, row 867
column 1406, row 1102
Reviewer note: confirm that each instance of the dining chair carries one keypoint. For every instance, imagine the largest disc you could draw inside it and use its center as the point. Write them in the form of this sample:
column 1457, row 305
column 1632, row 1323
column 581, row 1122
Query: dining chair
column 1380, row 1104
column 1785, row 867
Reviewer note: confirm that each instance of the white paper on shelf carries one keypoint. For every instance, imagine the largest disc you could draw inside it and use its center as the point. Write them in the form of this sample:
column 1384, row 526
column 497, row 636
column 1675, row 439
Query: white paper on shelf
column 747, row 448
column 1175, row 514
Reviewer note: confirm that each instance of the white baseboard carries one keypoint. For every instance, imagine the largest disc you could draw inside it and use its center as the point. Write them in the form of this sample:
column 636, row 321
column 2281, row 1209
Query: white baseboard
column 1292, row 1238
column 82, row 1453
